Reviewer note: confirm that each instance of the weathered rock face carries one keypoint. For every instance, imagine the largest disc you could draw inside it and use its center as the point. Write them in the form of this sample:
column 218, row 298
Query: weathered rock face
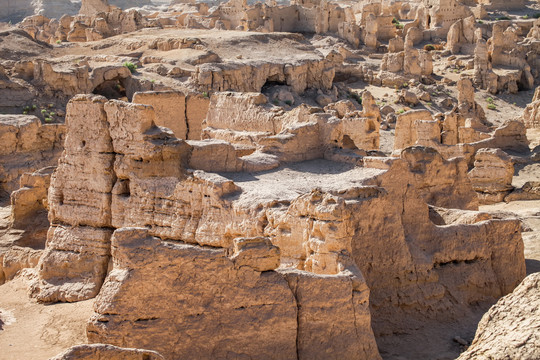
column 492, row 175
column 15, row 259
column 416, row 62
column 407, row 132
column 529, row 191
column 84, row 253
column 440, row 182
column 483, row 76
column 504, row 51
column 531, row 114
column 468, row 108
column 317, row 74
column 370, row 31
column 13, row 93
column 239, row 305
column 511, row 328
column 196, row 110
column 133, row 151
column 31, row 198
column 170, row 108
column 357, row 242
column 388, row 313
column 26, row 145
column 86, row 140
column 462, row 35
column 510, row 136
column 411, row 63
column 462, row 131
column 25, row 233
column 183, row 114
column 105, row 351
column 95, row 21
column 303, row 133
column 76, row 79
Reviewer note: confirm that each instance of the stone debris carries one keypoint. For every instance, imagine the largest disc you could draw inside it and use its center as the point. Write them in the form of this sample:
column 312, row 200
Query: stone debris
column 510, row 329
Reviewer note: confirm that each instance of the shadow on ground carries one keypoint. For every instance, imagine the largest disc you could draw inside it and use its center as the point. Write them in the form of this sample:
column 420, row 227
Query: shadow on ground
column 532, row 266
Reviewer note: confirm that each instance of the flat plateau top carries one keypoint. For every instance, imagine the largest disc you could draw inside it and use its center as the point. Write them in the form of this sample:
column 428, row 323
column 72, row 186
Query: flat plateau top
column 292, row 180
column 230, row 46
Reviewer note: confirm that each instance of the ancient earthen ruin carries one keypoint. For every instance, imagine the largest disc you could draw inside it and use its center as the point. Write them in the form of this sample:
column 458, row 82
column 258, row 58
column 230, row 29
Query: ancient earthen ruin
column 309, row 179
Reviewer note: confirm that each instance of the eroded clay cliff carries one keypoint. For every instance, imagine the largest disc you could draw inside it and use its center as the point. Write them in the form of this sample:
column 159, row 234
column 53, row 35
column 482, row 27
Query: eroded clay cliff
column 337, row 233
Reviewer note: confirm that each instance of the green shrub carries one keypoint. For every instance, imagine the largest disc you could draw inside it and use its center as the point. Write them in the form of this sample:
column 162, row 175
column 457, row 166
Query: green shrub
column 356, row 97
column 205, row 94
column 489, row 100
column 492, row 107
column 58, row 42
column 288, row 102
column 480, row 22
column 400, row 111
column 48, row 119
column 536, row 15
column 131, row 66
column 525, row 17
column 397, row 24
column 503, row 18
column 429, row 47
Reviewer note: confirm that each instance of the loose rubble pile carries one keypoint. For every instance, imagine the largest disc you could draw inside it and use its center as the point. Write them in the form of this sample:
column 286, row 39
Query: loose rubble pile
column 304, row 180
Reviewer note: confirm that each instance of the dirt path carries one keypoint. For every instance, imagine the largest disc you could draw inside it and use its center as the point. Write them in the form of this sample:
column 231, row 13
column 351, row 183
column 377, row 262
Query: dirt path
column 32, row 331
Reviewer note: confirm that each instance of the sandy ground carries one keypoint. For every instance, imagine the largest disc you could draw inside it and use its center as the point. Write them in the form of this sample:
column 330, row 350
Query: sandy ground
column 31, row 331
column 252, row 46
